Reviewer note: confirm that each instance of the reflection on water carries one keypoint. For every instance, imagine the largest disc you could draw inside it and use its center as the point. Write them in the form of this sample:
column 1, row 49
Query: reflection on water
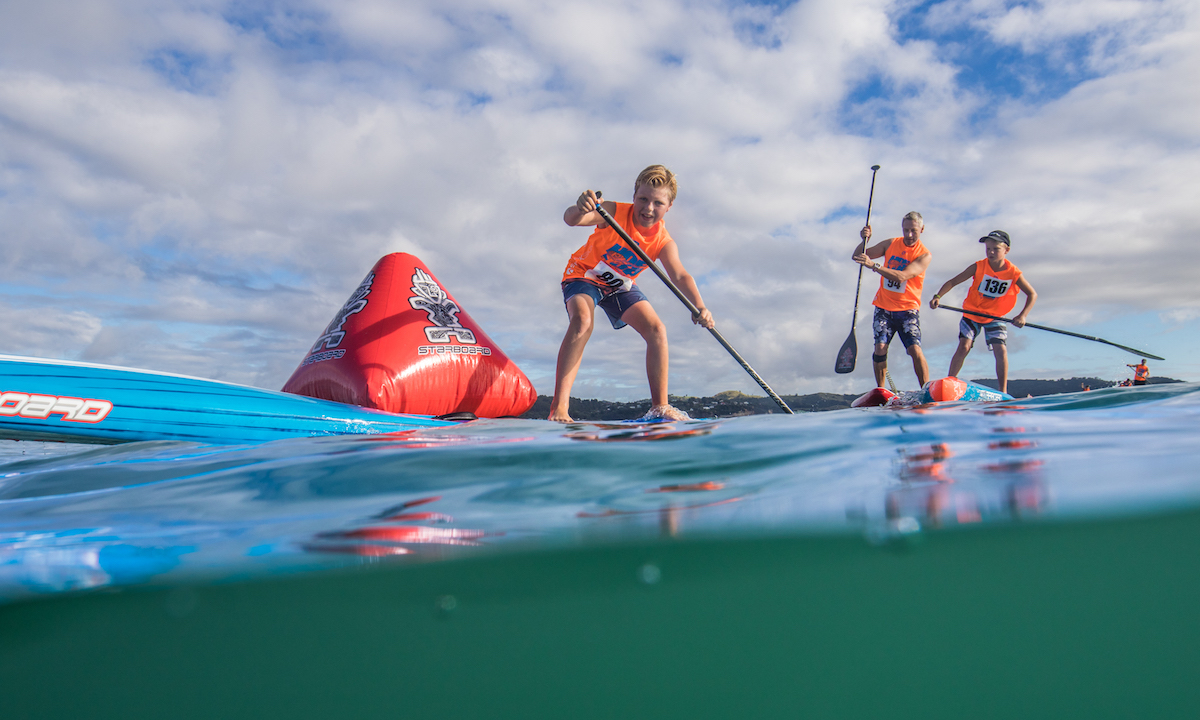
column 931, row 495
column 79, row 517
column 615, row 432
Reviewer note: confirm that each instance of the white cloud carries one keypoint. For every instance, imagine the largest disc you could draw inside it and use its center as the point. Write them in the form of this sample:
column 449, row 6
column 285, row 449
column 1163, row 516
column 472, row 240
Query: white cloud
column 1032, row 25
column 33, row 330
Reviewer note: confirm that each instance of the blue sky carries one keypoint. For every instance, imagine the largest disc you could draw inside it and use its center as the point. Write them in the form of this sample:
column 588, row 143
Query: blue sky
column 196, row 186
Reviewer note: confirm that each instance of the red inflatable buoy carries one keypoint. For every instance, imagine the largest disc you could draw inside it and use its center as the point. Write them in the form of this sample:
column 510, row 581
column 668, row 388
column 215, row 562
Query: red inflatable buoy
column 402, row 344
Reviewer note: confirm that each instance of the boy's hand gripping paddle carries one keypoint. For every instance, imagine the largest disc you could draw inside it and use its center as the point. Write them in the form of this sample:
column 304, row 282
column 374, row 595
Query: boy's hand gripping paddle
column 849, row 352
column 608, row 218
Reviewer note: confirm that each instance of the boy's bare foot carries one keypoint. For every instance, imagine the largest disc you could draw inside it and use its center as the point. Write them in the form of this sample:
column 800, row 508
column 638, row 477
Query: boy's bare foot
column 561, row 417
column 665, row 412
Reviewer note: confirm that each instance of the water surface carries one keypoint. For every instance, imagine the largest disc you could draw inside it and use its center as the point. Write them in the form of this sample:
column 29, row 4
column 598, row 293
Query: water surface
column 77, row 517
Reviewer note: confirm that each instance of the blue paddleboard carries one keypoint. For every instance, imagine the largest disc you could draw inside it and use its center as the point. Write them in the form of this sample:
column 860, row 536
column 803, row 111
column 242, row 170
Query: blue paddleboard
column 80, row 402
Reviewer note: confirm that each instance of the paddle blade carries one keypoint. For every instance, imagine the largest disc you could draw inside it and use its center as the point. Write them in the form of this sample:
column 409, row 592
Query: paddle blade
column 846, row 356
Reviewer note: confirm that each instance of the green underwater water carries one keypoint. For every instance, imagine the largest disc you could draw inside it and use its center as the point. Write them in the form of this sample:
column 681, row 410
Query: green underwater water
column 1079, row 619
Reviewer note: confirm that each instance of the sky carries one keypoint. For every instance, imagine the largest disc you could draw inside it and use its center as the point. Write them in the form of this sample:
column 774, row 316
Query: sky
column 197, row 186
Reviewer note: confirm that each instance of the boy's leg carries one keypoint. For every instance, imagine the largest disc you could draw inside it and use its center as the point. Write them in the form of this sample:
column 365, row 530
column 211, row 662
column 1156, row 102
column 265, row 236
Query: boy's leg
column 641, row 317
column 1000, row 350
column 960, row 355
column 581, row 309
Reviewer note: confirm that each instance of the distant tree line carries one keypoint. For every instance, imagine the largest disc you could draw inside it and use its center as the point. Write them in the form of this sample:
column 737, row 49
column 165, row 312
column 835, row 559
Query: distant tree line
column 733, row 403
column 1021, row 388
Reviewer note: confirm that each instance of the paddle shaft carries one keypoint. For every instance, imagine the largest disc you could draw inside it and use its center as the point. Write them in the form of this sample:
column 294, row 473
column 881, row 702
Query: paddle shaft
column 858, row 288
column 1135, row 351
column 689, row 304
column 848, row 352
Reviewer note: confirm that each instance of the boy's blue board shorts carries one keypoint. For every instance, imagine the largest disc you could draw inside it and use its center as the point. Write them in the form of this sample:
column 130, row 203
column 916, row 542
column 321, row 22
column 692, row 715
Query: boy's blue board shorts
column 613, row 303
column 994, row 332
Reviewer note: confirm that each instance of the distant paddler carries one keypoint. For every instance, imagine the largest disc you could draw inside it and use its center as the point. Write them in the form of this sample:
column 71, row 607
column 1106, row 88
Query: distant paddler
column 994, row 285
column 898, row 301
column 1141, row 372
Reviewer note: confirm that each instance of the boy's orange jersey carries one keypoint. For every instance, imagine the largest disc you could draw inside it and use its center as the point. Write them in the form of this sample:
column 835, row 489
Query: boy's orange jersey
column 992, row 291
column 606, row 261
column 905, row 295
column 1141, row 372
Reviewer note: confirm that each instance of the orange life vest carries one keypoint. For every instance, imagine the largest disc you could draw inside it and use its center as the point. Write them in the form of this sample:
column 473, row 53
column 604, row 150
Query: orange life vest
column 605, row 259
column 905, row 295
column 992, row 291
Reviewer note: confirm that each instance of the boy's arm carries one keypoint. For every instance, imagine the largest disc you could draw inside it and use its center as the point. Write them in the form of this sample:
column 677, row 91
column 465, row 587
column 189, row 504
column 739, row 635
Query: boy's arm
column 683, row 280
column 949, row 285
column 1030, row 299
column 583, row 212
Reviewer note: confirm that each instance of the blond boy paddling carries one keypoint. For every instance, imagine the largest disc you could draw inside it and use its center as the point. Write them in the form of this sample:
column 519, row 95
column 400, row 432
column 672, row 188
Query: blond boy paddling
column 994, row 285
column 602, row 272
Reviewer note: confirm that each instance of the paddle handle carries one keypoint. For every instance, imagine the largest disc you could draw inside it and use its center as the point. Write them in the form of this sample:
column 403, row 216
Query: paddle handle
column 608, row 218
column 1135, row 351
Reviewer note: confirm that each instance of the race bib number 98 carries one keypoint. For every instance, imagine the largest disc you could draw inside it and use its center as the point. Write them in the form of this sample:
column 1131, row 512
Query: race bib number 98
column 605, row 274
column 993, row 287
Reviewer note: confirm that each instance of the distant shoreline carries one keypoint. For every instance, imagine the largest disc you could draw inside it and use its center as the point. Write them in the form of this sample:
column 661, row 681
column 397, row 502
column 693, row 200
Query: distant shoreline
column 733, row 403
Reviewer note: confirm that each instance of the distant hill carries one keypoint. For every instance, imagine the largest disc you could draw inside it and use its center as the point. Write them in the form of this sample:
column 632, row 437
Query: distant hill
column 732, row 403
column 1036, row 388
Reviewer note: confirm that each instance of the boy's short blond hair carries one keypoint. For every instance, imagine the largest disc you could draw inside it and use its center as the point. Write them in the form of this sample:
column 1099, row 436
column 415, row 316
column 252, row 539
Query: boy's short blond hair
column 915, row 217
column 657, row 176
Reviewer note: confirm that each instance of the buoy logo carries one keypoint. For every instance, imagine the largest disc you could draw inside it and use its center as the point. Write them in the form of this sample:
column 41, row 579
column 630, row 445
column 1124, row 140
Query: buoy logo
column 41, row 407
column 333, row 335
column 443, row 313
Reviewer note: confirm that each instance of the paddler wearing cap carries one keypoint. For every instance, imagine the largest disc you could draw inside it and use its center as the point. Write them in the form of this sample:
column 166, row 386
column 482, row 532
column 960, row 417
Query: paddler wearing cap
column 994, row 285
column 898, row 302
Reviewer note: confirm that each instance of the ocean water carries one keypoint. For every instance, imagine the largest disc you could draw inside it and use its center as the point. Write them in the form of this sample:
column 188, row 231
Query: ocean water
column 79, row 517
column 1029, row 558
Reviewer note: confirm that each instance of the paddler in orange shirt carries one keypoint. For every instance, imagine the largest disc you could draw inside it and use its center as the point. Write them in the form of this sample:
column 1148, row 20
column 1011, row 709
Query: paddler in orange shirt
column 602, row 272
column 994, row 285
column 898, row 301
column 1141, row 372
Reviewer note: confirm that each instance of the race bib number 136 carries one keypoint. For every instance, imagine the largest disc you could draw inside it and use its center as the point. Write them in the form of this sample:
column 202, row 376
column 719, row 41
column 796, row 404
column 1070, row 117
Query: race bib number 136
column 993, row 287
